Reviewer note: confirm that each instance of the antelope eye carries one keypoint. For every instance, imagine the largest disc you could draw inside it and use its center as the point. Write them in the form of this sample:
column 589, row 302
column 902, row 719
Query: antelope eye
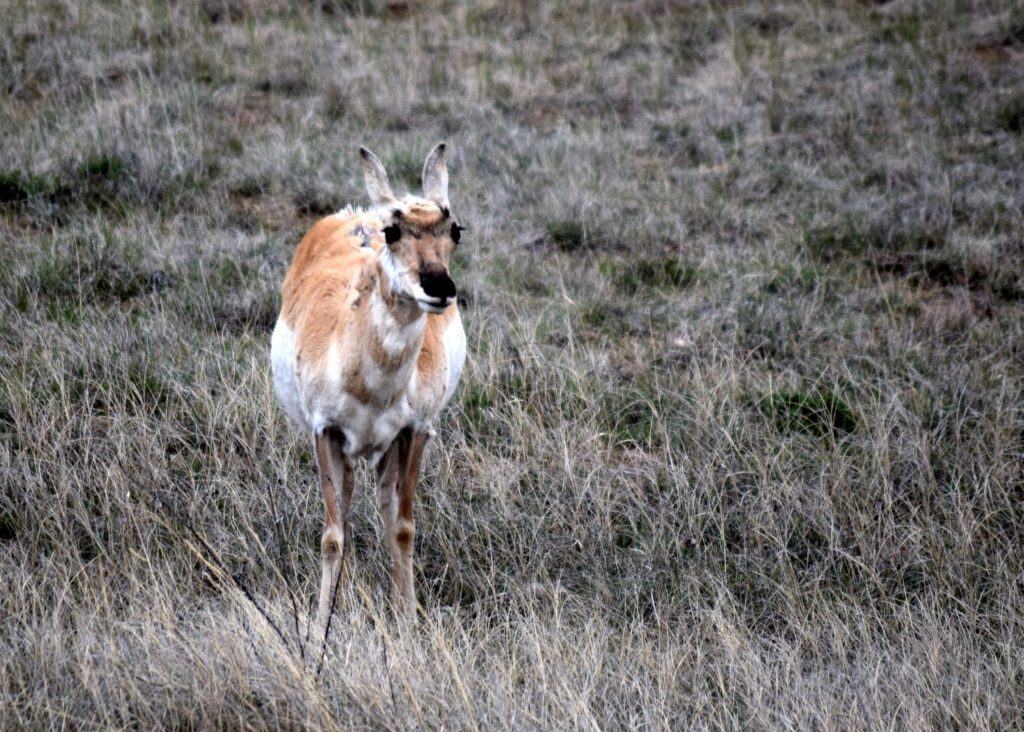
column 392, row 234
column 456, row 233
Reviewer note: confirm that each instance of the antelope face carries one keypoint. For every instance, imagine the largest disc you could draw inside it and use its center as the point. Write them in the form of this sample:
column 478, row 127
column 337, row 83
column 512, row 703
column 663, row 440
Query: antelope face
column 420, row 232
column 420, row 239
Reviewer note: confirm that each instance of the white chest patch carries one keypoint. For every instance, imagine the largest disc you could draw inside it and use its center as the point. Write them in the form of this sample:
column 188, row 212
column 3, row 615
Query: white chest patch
column 455, row 354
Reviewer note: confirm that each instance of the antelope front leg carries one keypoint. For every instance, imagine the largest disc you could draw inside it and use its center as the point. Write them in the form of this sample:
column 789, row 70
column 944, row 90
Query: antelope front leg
column 335, row 472
column 397, row 475
column 406, row 527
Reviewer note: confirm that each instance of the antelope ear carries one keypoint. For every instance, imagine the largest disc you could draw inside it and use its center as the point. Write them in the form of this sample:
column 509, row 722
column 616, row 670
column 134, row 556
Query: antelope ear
column 375, row 178
column 435, row 176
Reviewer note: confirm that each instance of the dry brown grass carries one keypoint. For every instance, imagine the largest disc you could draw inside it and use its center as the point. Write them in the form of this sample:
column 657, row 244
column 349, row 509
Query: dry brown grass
column 741, row 438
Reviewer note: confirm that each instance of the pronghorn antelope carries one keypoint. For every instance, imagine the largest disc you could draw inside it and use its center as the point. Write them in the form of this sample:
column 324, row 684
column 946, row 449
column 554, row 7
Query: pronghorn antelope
column 367, row 350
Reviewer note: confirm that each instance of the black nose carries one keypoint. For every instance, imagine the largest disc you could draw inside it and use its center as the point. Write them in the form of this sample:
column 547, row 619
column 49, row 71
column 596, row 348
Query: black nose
column 435, row 282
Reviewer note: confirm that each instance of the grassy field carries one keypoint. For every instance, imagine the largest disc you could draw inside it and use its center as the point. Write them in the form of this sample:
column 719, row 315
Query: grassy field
column 740, row 442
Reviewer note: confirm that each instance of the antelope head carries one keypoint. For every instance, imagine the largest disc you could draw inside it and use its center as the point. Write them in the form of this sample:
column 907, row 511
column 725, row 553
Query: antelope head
column 420, row 232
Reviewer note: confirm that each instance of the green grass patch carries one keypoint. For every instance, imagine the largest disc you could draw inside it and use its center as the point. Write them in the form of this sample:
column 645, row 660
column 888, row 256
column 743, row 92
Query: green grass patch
column 104, row 182
column 943, row 269
column 103, row 166
column 821, row 412
column 405, row 168
column 16, row 186
column 315, row 200
column 477, row 404
column 603, row 315
column 90, row 269
column 635, row 422
column 9, row 526
column 847, row 238
column 632, row 412
column 832, row 241
column 630, row 276
column 251, row 186
column 899, row 30
column 1011, row 116
column 520, row 275
column 790, row 278
column 250, row 311
column 569, row 235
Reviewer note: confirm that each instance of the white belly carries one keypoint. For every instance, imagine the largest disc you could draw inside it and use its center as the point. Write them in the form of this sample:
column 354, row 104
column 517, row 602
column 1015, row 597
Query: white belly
column 282, row 362
column 368, row 431
column 315, row 404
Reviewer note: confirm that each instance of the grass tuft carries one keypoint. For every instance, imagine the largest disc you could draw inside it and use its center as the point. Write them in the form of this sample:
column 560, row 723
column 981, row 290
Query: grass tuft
column 568, row 235
column 819, row 412
column 1011, row 116
column 633, row 276
column 16, row 186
